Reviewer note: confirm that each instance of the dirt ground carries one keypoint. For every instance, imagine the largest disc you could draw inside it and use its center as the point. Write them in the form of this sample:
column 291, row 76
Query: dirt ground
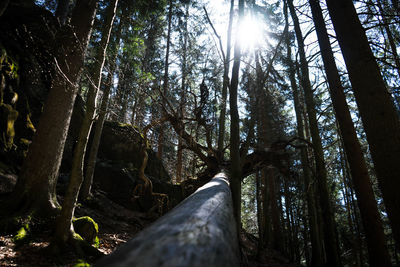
column 116, row 226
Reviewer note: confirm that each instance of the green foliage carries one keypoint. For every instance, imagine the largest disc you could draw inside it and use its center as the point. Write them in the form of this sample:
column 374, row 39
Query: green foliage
column 22, row 235
column 82, row 263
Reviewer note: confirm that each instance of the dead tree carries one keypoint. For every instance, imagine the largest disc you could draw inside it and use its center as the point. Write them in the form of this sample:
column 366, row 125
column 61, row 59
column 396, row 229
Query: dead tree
column 201, row 231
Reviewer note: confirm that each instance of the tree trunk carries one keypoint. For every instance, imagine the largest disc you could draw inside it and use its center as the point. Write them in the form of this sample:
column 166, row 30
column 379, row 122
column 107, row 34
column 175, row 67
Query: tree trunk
column 331, row 248
column 62, row 11
column 200, row 231
column 390, row 37
column 277, row 236
column 91, row 161
column 236, row 169
column 316, row 256
column 378, row 253
column 165, row 80
column 64, row 221
column 378, row 114
column 35, row 189
column 179, row 164
column 260, row 214
column 3, row 6
column 225, row 82
column 356, row 246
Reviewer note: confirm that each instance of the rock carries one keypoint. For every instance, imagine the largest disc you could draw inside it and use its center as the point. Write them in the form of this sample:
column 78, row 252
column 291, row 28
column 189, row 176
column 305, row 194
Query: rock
column 26, row 68
column 120, row 142
column 118, row 179
column 87, row 228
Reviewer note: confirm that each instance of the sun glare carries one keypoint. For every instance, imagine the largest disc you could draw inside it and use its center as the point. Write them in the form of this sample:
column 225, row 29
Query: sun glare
column 250, row 32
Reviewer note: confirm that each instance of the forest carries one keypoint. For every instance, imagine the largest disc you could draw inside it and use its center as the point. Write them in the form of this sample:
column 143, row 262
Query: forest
column 200, row 133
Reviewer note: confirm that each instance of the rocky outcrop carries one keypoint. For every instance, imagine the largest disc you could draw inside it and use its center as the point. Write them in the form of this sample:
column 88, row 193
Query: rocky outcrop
column 26, row 70
column 119, row 178
column 25, row 75
column 120, row 142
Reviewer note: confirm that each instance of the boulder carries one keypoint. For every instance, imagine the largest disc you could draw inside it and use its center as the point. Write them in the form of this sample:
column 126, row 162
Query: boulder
column 87, row 228
column 118, row 179
column 120, row 142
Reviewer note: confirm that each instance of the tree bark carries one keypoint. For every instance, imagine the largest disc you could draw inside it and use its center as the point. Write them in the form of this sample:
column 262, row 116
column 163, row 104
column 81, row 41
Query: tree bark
column 378, row 113
column 378, row 253
column 331, row 248
column 179, row 164
column 225, row 83
column 309, row 188
column 200, row 231
column 277, row 236
column 62, row 10
column 64, row 221
column 3, row 6
column 35, row 189
column 91, row 162
column 165, row 80
column 390, row 37
column 236, row 169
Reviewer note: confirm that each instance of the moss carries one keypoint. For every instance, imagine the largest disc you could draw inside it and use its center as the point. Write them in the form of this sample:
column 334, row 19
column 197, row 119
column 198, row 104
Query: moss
column 22, row 235
column 29, row 123
column 87, row 228
column 82, row 263
column 96, row 242
column 8, row 115
column 120, row 124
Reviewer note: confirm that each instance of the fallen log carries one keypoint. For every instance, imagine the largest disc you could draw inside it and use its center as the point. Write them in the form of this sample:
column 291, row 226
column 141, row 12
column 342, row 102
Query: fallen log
column 200, row 231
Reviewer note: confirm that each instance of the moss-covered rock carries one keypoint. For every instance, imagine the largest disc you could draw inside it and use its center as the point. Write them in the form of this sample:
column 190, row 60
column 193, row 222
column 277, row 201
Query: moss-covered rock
column 121, row 142
column 25, row 75
column 87, row 228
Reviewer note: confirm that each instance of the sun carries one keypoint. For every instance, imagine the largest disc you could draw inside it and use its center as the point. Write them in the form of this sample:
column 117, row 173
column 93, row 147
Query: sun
column 250, row 32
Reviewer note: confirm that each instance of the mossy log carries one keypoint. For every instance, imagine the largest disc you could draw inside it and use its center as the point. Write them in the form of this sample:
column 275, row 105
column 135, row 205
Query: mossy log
column 200, row 231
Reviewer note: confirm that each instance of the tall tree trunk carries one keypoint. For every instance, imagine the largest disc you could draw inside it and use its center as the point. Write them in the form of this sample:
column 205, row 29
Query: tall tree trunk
column 64, row 221
column 165, row 79
column 179, row 164
column 378, row 253
column 3, row 6
column 266, row 211
column 35, row 189
column 225, row 82
column 316, row 256
column 391, row 40
column 331, row 248
column 277, row 237
column 378, row 113
column 91, row 161
column 347, row 202
column 62, row 11
column 260, row 215
column 289, row 220
column 236, row 168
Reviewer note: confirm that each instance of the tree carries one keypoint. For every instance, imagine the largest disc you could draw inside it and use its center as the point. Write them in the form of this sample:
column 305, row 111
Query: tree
column 236, row 169
column 91, row 162
column 366, row 200
column 381, row 123
column 64, row 222
column 165, row 79
column 331, row 248
column 309, row 188
column 35, row 189
column 227, row 60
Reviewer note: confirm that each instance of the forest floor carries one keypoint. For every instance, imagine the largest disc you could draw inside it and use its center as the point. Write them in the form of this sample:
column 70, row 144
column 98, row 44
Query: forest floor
column 117, row 225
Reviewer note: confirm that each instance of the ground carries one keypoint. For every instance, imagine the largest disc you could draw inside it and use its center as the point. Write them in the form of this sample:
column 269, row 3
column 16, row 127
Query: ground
column 116, row 226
